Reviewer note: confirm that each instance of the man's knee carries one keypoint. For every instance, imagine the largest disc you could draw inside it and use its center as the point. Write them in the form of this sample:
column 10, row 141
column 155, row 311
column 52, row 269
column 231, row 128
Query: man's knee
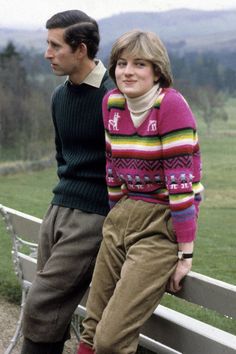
column 40, row 314
column 38, row 296
column 31, row 302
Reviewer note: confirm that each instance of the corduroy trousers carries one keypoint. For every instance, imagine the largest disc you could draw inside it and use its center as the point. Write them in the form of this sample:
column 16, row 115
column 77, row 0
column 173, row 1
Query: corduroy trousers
column 68, row 245
column 137, row 256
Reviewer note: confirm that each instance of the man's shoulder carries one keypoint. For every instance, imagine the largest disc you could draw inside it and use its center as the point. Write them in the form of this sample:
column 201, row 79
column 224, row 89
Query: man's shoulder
column 107, row 82
column 58, row 92
column 59, row 88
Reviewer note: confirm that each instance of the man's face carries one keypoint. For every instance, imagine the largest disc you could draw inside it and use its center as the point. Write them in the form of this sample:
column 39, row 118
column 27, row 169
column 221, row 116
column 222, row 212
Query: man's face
column 59, row 53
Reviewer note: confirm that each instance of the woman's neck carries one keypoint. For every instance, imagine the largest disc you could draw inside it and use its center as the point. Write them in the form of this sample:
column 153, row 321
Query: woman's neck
column 140, row 106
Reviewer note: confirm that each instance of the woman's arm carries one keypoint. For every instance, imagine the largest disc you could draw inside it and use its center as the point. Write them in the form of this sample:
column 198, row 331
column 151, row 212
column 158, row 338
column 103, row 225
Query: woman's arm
column 112, row 180
column 181, row 162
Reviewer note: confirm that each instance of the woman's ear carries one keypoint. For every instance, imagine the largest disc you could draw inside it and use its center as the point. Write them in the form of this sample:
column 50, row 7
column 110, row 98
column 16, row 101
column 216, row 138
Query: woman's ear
column 157, row 74
column 156, row 79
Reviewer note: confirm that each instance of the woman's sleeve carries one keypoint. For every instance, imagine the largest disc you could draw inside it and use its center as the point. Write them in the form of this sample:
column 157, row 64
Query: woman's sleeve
column 113, row 181
column 181, row 164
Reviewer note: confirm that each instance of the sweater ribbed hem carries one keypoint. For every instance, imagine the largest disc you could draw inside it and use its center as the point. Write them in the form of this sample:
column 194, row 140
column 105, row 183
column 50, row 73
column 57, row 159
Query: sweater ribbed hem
column 81, row 205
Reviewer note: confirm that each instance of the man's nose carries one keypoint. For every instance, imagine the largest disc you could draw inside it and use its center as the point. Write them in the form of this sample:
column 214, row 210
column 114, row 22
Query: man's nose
column 48, row 53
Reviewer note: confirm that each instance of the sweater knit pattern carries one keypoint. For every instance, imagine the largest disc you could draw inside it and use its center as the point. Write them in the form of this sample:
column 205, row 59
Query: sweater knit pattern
column 80, row 146
column 157, row 162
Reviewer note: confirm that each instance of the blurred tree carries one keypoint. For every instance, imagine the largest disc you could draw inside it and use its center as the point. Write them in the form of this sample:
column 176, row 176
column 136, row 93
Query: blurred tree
column 202, row 70
column 13, row 91
column 25, row 125
column 26, row 84
column 212, row 105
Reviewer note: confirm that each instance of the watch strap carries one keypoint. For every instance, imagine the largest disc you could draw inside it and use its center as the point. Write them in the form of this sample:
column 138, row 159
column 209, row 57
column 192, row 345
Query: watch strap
column 184, row 255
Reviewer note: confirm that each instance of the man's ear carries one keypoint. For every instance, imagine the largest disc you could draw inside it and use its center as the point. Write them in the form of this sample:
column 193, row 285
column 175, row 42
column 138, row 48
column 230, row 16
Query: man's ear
column 81, row 50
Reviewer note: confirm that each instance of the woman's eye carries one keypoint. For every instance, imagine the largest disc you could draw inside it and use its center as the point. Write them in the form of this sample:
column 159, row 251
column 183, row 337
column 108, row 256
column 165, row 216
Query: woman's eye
column 120, row 64
column 140, row 64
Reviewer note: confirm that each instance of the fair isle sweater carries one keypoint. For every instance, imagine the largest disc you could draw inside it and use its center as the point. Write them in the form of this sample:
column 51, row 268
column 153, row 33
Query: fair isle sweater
column 157, row 162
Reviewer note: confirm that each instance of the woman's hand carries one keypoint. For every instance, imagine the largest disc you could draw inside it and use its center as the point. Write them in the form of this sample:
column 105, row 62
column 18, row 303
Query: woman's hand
column 181, row 270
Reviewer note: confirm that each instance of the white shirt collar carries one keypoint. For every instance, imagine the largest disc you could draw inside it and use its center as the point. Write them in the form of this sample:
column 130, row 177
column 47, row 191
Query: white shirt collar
column 94, row 78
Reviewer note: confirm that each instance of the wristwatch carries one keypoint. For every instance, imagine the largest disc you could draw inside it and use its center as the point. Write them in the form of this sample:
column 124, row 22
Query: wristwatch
column 183, row 255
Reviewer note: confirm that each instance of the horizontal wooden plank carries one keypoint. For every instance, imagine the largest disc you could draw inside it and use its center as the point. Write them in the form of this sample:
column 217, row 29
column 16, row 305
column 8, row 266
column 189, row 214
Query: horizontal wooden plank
column 28, row 266
column 169, row 331
column 25, row 225
column 186, row 334
column 210, row 293
column 197, row 288
column 176, row 332
column 144, row 340
column 156, row 347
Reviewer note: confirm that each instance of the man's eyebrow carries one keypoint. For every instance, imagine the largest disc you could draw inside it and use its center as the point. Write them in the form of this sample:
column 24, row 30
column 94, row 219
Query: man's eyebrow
column 52, row 41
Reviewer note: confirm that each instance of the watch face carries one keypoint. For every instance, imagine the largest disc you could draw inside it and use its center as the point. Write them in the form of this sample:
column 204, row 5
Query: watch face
column 180, row 254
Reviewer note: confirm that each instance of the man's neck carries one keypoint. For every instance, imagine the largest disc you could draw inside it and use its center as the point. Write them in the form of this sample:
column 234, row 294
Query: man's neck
column 84, row 69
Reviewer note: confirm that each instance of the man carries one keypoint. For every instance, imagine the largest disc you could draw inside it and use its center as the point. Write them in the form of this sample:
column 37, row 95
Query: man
column 71, row 231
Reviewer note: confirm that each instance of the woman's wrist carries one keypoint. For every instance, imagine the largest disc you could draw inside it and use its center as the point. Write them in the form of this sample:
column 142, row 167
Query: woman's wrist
column 186, row 247
column 185, row 251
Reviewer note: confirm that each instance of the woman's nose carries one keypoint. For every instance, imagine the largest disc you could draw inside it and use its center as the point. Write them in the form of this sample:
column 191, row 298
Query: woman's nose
column 129, row 69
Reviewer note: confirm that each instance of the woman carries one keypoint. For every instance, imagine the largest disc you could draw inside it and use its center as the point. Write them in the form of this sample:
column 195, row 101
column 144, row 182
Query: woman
column 153, row 177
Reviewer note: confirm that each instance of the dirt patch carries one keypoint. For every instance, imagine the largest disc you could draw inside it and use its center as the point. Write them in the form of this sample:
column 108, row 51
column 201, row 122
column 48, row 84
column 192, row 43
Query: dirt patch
column 9, row 315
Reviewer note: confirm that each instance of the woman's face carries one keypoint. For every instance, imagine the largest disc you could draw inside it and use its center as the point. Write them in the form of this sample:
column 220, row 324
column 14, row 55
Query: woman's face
column 134, row 76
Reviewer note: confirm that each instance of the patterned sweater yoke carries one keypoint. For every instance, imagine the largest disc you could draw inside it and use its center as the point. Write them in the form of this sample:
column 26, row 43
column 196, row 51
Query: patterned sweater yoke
column 157, row 162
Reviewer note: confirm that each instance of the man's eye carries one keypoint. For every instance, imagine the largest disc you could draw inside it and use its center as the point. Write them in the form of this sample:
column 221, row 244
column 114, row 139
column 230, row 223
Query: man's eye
column 54, row 45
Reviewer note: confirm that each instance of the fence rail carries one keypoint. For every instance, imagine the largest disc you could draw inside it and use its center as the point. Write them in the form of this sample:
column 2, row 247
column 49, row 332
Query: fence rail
column 167, row 331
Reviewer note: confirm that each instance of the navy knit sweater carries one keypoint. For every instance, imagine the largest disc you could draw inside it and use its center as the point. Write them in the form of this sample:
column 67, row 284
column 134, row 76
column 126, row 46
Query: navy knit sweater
column 80, row 146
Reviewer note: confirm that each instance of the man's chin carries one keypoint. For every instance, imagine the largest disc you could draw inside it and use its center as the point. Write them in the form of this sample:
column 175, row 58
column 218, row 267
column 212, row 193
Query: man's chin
column 58, row 73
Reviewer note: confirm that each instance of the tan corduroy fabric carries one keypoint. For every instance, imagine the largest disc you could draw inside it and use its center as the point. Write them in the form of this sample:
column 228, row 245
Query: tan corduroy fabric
column 137, row 256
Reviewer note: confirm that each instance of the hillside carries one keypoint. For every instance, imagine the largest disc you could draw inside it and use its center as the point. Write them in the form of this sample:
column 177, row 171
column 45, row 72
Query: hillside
column 181, row 30
column 194, row 29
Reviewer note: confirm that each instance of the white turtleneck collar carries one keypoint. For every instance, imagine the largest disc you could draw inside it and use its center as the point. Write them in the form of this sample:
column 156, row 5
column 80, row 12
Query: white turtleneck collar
column 139, row 107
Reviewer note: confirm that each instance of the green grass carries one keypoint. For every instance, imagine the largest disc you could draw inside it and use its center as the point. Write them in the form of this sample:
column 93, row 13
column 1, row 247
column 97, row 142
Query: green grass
column 29, row 193
column 216, row 241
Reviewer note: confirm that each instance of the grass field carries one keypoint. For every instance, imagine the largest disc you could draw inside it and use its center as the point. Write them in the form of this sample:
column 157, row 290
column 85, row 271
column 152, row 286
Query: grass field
column 215, row 250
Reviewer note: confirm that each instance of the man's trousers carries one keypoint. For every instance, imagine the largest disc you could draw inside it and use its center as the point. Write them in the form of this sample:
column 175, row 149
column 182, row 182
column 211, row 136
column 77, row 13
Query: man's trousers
column 68, row 245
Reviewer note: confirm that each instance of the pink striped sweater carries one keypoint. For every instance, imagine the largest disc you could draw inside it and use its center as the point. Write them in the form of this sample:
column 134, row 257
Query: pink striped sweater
column 158, row 162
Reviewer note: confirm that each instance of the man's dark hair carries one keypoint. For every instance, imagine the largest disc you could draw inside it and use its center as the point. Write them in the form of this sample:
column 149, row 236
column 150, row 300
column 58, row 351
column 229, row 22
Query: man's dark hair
column 80, row 28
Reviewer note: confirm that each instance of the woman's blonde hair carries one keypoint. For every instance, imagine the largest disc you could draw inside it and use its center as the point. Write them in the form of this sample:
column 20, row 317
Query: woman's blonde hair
column 144, row 45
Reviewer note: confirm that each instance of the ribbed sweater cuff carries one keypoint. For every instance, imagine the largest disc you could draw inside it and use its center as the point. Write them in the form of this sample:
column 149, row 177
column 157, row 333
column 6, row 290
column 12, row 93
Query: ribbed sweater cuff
column 185, row 232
